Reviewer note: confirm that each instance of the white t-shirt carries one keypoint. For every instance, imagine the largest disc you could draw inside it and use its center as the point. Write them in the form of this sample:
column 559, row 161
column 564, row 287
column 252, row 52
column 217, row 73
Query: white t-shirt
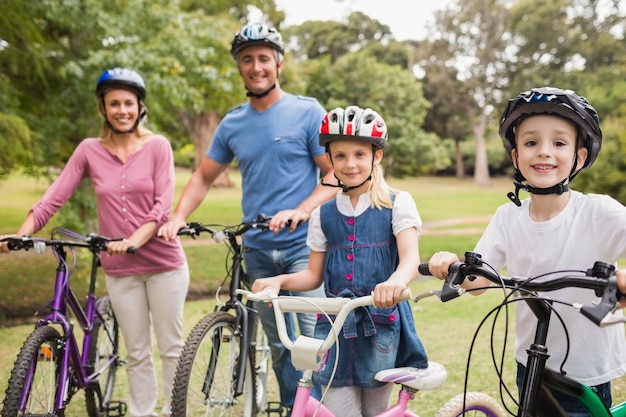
column 404, row 215
column 590, row 228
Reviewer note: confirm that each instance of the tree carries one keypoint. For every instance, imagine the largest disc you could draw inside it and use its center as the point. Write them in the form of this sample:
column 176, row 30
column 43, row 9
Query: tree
column 471, row 36
column 397, row 95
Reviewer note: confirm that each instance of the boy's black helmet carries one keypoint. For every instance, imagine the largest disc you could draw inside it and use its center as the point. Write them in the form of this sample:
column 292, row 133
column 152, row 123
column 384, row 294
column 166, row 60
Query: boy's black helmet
column 121, row 78
column 550, row 100
column 256, row 34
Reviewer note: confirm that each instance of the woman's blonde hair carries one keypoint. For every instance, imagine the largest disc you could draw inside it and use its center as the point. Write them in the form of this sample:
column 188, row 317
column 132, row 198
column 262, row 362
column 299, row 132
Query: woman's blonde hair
column 106, row 133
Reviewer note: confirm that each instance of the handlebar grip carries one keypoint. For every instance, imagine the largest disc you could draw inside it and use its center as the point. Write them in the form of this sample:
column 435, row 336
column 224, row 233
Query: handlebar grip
column 132, row 250
column 424, row 270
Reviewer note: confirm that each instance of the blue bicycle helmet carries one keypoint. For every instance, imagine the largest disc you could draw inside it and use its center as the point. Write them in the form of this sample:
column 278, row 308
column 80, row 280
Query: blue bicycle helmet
column 256, row 34
column 121, row 78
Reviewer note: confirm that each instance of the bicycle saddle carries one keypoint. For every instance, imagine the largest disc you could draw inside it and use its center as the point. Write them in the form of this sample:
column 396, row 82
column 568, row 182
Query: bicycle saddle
column 428, row 378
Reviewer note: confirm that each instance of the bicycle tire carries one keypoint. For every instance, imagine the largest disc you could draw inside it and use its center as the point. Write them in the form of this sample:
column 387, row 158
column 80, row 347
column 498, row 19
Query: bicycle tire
column 476, row 404
column 104, row 344
column 263, row 354
column 40, row 352
column 203, row 360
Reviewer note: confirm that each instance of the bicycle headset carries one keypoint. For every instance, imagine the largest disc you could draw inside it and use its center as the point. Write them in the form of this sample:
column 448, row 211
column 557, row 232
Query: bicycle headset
column 552, row 101
column 126, row 79
column 258, row 34
column 353, row 123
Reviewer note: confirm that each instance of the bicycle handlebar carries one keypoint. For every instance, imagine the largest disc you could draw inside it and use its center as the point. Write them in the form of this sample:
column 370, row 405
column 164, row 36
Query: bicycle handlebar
column 600, row 278
column 305, row 349
column 194, row 229
column 94, row 242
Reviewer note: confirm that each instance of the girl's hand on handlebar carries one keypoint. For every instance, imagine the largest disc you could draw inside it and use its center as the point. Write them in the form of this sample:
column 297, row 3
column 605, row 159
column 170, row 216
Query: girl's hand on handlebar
column 4, row 246
column 387, row 294
column 262, row 283
column 440, row 262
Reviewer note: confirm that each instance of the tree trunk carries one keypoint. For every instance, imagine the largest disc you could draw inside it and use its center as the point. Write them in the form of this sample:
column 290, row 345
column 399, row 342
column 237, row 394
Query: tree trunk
column 481, row 164
column 460, row 169
column 201, row 127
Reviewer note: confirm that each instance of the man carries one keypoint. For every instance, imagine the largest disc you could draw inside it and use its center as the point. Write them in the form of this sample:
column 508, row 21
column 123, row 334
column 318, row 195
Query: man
column 274, row 137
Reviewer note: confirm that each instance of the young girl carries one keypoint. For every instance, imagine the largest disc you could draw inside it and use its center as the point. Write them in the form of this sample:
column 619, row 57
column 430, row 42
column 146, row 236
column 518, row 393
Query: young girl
column 364, row 240
column 551, row 134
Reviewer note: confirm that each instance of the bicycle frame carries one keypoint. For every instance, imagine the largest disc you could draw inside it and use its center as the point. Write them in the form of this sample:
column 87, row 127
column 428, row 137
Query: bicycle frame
column 65, row 300
column 305, row 350
column 537, row 378
column 243, row 313
column 74, row 365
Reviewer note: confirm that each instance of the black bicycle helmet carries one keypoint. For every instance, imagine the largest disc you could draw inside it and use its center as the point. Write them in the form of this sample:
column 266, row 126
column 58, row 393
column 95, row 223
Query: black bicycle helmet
column 549, row 100
column 121, row 78
column 256, row 34
column 353, row 123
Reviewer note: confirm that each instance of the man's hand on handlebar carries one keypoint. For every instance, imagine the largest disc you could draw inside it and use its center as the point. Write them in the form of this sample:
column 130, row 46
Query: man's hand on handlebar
column 169, row 230
column 288, row 218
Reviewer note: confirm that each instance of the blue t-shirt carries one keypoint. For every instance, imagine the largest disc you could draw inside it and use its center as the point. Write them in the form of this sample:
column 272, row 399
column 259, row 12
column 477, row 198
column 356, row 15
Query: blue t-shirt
column 274, row 150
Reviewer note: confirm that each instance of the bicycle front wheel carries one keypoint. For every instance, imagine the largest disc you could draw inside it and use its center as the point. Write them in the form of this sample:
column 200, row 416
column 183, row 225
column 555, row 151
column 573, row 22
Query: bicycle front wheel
column 35, row 376
column 207, row 371
column 102, row 359
column 471, row 404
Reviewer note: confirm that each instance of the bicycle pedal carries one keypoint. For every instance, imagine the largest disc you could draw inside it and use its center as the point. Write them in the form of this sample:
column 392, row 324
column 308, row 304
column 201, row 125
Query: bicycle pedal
column 116, row 409
column 276, row 409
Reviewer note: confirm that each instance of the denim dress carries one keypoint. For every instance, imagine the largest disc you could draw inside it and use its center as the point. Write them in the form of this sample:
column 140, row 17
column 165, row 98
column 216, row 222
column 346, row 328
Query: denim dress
column 362, row 252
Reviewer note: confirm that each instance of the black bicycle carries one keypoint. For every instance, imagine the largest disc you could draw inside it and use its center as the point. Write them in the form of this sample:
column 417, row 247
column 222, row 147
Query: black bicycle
column 51, row 367
column 535, row 400
column 222, row 370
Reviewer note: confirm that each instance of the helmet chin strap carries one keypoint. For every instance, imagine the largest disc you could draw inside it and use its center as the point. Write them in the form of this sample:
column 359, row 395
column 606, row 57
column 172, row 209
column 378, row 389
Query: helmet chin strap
column 557, row 189
column 343, row 186
column 261, row 95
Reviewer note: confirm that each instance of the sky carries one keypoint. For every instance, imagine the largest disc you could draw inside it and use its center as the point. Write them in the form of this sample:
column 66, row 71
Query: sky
column 405, row 18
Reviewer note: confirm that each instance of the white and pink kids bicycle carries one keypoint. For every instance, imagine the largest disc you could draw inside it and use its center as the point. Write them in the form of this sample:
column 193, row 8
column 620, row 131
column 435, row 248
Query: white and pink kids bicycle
column 308, row 353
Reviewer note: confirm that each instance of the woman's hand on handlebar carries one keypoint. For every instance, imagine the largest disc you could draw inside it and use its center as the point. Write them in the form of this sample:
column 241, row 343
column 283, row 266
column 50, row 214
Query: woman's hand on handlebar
column 4, row 246
column 440, row 262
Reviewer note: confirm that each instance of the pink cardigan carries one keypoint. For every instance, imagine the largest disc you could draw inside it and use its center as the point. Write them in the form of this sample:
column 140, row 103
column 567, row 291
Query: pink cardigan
column 128, row 195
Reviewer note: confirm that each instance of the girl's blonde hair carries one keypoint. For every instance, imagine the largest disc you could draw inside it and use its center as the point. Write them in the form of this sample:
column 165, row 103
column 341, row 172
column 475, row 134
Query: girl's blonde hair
column 380, row 191
column 106, row 133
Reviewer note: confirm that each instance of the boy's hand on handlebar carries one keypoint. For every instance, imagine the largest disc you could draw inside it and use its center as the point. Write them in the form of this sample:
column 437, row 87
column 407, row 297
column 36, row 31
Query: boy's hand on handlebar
column 440, row 262
column 620, row 274
column 169, row 230
column 287, row 218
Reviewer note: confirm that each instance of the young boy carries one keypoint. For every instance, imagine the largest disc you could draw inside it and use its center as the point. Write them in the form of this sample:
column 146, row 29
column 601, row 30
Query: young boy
column 550, row 135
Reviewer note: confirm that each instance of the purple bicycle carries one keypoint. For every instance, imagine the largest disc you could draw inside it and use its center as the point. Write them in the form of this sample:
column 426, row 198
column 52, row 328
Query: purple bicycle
column 51, row 367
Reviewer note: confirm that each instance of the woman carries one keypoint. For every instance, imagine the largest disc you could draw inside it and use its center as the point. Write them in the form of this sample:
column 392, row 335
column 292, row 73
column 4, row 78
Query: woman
column 132, row 172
